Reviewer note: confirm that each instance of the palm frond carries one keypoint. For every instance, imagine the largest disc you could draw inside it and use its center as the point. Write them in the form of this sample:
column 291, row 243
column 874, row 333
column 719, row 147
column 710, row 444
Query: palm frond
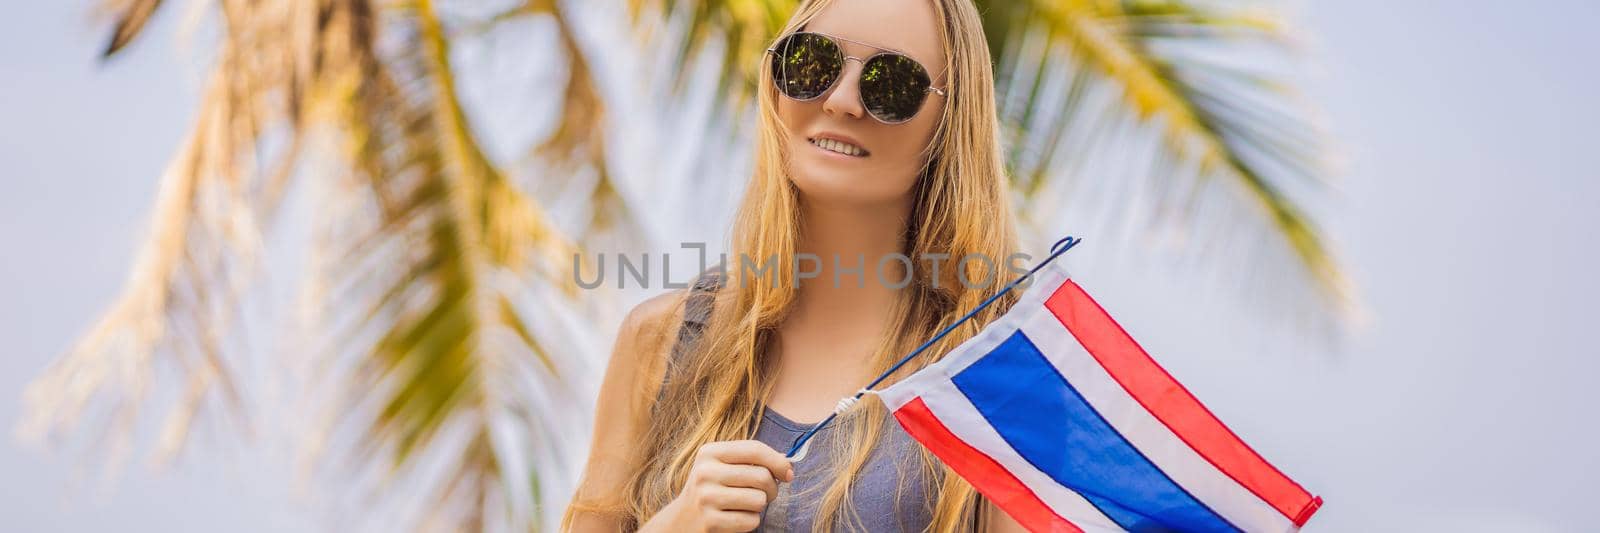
column 739, row 29
column 1231, row 131
column 176, row 309
column 443, row 342
column 437, row 365
column 571, row 163
column 131, row 17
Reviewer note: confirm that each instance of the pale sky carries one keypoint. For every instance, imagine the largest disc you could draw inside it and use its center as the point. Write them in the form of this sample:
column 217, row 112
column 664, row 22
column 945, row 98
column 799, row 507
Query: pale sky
column 1468, row 219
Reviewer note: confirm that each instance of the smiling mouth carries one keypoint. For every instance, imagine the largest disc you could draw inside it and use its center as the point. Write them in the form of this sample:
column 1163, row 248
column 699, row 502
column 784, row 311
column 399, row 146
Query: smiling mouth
column 838, row 147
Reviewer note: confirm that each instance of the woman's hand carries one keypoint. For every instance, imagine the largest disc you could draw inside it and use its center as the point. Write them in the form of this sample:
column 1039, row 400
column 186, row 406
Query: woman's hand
column 729, row 484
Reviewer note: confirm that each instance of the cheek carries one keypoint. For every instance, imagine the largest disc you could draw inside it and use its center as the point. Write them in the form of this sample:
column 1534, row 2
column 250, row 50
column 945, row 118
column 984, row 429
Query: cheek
column 907, row 146
column 794, row 118
column 797, row 116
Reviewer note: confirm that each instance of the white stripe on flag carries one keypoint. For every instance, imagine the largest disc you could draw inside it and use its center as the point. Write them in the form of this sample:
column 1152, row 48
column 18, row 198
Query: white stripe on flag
column 1234, row 502
column 966, row 423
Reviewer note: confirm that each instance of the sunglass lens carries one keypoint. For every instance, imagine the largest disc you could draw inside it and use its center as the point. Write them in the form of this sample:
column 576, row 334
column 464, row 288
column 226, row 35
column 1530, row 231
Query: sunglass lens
column 806, row 64
column 893, row 87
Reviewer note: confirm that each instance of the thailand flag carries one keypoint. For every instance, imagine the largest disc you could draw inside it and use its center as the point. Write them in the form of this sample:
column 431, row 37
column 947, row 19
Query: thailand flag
column 1057, row 416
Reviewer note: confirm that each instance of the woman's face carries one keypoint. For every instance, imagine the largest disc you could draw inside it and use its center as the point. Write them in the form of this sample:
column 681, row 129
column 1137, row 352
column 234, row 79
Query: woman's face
column 893, row 152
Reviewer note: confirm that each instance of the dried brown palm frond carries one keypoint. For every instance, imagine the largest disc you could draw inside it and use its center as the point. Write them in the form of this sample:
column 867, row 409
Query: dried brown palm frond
column 438, row 305
column 177, row 306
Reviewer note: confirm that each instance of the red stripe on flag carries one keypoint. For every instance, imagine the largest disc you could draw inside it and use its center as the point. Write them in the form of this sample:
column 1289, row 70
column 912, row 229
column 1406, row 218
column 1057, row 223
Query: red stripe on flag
column 1173, row 404
column 989, row 477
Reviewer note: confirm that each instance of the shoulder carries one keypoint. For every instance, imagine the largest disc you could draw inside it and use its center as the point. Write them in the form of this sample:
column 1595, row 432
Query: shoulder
column 654, row 312
column 622, row 412
column 646, row 335
column 633, row 374
column 662, row 313
column 651, row 329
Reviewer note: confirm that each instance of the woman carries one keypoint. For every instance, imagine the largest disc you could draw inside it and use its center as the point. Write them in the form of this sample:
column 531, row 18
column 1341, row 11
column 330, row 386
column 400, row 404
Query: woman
column 878, row 141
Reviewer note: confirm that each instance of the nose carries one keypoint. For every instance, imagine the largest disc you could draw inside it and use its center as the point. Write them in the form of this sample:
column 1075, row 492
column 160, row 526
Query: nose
column 845, row 97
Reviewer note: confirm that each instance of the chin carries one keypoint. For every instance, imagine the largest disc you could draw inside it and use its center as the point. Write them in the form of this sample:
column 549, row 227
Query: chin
column 832, row 187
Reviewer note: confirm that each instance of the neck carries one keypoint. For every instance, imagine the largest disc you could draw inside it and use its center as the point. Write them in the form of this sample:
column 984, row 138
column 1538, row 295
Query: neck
column 827, row 338
column 850, row 243
column 844, row 311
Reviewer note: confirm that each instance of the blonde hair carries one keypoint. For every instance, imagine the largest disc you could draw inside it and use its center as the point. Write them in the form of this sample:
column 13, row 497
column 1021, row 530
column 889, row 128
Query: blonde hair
column 960, row 208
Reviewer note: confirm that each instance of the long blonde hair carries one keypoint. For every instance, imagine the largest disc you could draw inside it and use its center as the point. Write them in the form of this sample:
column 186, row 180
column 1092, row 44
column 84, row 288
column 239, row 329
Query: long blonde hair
column 960, row 208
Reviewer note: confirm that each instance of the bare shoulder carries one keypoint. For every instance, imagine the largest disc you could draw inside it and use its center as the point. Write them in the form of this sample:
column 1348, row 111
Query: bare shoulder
column 639, row 356
column 622, row 412
column 649, row 328
column 659, row 309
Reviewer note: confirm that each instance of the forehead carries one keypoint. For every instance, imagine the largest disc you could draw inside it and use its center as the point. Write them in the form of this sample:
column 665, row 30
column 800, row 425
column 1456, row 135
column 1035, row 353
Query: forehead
column 907, row 26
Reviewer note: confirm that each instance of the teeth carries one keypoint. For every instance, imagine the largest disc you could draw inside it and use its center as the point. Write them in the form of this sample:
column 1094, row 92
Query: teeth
column 837, row 146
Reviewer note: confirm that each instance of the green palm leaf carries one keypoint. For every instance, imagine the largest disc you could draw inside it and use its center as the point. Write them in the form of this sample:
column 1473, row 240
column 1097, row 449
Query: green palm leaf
column 1226, row 123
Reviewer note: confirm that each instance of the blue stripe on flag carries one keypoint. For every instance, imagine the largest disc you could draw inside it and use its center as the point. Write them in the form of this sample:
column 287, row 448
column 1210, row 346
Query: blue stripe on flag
column 1050, row 425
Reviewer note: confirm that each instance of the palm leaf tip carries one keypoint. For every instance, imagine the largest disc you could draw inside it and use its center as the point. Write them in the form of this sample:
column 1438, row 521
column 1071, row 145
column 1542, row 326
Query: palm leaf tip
column 131, row 17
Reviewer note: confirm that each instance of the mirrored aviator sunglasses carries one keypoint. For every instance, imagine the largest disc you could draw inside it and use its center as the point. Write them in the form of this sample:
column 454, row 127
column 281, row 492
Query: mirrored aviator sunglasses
column 806, row 64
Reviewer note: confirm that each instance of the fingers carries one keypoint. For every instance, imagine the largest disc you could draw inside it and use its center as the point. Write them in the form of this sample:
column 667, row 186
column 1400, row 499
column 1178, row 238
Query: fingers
column 749, row 476
column 735, row 499
column 734, row 521
column 750, row 452
column 733, row 481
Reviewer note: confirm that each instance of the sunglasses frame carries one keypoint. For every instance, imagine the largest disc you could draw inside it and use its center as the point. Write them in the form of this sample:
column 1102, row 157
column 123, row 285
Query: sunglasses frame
column 847, row 57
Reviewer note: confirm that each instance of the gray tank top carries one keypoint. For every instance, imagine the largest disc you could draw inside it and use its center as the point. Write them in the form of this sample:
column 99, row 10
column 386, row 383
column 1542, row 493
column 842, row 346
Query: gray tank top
column 890, row 492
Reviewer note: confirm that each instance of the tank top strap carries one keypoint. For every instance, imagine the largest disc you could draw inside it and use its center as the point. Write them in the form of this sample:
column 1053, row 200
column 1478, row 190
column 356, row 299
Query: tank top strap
column 697, row 307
